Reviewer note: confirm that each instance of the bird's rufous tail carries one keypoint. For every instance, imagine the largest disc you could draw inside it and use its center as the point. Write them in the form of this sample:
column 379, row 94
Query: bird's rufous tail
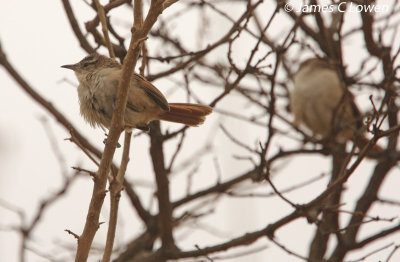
column 187, row 114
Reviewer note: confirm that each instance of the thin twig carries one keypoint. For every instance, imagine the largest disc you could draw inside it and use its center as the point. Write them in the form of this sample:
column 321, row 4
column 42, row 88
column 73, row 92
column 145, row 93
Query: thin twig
column 116, row 187
column 103, row 20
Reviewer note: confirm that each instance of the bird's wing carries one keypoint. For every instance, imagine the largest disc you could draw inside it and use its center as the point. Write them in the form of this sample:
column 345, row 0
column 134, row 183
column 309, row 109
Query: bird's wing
column 152, row 92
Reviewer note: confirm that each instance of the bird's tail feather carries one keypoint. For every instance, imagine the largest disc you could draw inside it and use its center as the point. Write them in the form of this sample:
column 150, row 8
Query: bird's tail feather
column 187, row 114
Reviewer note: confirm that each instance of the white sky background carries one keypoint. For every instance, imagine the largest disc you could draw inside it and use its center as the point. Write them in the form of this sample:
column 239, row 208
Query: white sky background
column 38, row 39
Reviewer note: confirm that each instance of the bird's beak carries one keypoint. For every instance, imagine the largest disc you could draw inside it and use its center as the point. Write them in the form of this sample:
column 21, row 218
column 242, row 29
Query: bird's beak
column 72, row 67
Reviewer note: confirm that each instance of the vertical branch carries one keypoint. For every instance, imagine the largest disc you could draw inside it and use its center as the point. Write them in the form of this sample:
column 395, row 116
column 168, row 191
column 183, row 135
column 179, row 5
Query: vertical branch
column 98, row 194
column 116, row 186
column 138, row 13
column 164, row 203
column 139, row 34
column 103, row 20
column 365, row 202
column 117, row 124
column 329, row 222
column 138, row 21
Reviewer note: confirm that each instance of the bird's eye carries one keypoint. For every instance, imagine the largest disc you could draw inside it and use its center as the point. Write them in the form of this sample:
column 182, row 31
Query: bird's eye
column 85, row 65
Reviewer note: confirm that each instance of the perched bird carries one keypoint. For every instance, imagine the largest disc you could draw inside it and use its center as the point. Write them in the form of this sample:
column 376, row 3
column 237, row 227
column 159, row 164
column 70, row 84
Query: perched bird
column 320, row 101
column 99, row 77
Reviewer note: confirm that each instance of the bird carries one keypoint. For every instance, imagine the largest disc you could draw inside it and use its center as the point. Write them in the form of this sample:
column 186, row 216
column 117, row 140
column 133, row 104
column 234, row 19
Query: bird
column 99, row 76
column 321, row 102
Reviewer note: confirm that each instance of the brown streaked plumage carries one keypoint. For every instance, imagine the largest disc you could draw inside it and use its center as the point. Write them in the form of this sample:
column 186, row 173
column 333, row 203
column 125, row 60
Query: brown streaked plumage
column 98, row 78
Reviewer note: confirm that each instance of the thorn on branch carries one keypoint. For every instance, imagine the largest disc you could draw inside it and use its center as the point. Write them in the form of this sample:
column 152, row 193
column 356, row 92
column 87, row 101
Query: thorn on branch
column 207, row 257
column 72, row 233
column 90, row 173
